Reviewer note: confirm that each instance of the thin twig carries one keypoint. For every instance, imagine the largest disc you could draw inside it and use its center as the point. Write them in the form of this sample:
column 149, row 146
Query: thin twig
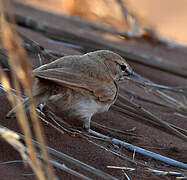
column 94, row 124
column 135, row 115
column 149, row 115
column 141, row 151
column 70, row 159
column 115, row 153
column 22, row 73
column 13, row 139
column 164, row 173
column 124, row 168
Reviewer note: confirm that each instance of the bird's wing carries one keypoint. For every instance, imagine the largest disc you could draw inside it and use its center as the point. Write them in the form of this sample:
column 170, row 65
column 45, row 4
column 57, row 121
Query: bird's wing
column 104, row 90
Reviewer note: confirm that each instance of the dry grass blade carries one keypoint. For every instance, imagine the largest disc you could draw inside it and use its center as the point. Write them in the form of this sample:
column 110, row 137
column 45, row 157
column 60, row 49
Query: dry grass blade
column 86, row 136
column 72, row 160
column 144, row 82
column 48, row 123
column 143, row 112
column 124, row 168
column 139, row 97
column 109, row 129
column 164, row 173
column 22, row 121
column 13, row 138
column 21, row 71
column 125, row 110
column 162, row 99
column 70, row 171
column 115, row 153
column 153, row 171
column 174, row 103
column 172, row 97
column 141, row 150
column 131, row 147
column 181, row 178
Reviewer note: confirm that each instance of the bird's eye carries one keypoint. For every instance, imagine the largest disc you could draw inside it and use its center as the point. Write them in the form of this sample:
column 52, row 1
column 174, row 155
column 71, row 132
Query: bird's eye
column 123, row 67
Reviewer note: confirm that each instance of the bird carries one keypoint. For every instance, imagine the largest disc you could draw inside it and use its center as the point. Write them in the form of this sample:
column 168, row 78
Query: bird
column 80, row 86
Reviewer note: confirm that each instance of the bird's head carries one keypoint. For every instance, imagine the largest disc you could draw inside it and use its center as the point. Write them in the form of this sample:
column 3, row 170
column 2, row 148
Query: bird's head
column 117, row 65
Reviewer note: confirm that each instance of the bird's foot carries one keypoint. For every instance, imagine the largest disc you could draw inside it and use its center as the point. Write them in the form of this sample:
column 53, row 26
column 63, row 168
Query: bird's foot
column 86, row 126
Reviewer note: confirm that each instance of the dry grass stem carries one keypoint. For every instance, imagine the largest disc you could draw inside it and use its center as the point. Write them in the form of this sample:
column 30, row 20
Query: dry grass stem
column 164, row 173
column 124, row 168
column 133, row 148
column 13, row 139
column 75, row 162
column 115, row 153
column 109, row 129
column 126, row 176
column 22, row 72
column 165, row 95
column 143, row 112
column 133, row 114
column 20, row 113
column 141, row 150
column 70, row 171
column 153, row 171
column 53, row 126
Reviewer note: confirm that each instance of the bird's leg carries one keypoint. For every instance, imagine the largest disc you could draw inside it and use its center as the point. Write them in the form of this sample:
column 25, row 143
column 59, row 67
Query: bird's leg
column 86, row 124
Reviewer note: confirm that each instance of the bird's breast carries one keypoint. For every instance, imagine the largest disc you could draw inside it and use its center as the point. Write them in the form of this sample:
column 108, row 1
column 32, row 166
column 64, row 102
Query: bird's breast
column 89, row 107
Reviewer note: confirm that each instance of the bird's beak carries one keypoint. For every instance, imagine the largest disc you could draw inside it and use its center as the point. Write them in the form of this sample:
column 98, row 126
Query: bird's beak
column 129, row 71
